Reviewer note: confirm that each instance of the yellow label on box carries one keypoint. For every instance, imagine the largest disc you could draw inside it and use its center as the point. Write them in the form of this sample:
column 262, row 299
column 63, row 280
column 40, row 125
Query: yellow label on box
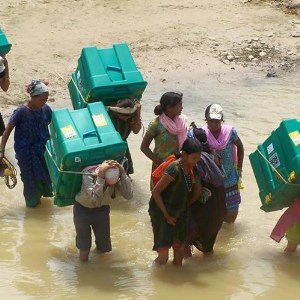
column 295, row 137
column 99, row 120
column 69, row 132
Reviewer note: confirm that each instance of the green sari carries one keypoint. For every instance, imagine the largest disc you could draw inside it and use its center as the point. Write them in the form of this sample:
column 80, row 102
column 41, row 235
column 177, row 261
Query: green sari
column 176, row 200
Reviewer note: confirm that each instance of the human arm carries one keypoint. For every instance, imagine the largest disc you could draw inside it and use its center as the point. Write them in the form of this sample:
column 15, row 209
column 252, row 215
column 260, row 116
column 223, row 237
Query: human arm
column 145, row 148
column 240, row 155
column 196, row 191
column 125, row 184
column 92, row 186
column 156, row 193
column 5, row 82
column 136, row 122
column 5, row 137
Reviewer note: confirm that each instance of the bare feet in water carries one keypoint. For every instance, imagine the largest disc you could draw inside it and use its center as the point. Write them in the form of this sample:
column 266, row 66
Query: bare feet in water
column 84, row 255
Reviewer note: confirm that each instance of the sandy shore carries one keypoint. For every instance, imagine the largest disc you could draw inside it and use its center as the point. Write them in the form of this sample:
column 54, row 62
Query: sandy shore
column 166, row 39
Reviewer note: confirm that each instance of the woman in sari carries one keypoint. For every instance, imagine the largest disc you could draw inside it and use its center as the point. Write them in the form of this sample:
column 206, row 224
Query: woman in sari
column 30, row 122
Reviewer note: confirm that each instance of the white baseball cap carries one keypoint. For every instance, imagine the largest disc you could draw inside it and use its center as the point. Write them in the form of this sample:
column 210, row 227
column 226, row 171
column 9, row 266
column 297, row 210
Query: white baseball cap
column 214, row 112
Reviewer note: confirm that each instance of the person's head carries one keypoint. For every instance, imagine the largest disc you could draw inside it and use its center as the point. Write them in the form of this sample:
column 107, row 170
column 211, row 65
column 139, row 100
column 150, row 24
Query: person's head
column 2, row 67
column 170, row 104
column 125, row 103
column 200, row 135
column 214, row 117
column 38, row 92
column 112, row 175
column 191, row 152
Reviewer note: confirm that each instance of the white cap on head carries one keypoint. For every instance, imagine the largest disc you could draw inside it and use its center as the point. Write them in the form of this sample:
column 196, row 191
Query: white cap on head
column 112, row 175
column 2, row 66
column 214, row 112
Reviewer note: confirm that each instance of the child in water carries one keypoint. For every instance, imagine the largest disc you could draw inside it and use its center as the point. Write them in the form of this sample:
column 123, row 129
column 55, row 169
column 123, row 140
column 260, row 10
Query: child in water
column 91, row 209
column 168, row 207
column 30, row 122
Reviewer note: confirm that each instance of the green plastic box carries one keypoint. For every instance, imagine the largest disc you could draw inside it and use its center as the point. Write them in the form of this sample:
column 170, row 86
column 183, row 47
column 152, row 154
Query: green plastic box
column 5, row 46
column 276, row 166
column 78, row 139
column 106, row 75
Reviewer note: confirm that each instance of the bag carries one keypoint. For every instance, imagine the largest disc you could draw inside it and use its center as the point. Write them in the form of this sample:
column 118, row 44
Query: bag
column 2, row 125
column 209, row 172
column 158, row 172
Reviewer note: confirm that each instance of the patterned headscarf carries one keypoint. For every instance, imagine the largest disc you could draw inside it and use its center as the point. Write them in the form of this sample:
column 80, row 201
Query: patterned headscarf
column 37, row 87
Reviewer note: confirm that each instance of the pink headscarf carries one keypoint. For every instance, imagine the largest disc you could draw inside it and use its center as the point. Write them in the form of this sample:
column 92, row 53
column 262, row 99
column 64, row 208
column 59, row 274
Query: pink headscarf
column 222, row 140
column 177, row 126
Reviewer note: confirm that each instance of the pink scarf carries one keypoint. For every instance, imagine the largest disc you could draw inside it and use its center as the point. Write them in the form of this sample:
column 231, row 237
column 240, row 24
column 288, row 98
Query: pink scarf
column 289, row 217
column 223, row 138
column 221, row 142
column 177, row 126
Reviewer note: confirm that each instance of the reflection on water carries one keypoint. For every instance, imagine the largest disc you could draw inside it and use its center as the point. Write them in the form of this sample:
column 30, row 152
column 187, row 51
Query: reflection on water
column 38, row 255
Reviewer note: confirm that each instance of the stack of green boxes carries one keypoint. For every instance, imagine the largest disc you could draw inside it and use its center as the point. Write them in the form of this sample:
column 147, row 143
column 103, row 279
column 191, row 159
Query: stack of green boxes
column 276, row 166
column 79, row 138
column 87, row 136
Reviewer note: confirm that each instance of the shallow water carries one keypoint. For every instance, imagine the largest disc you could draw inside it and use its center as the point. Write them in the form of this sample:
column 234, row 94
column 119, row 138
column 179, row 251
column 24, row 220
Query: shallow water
column 39, row 259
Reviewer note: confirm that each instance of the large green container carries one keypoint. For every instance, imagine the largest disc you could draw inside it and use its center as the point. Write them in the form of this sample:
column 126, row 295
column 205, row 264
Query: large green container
column 5, row 46
column 105, row 75
column 276, row 166
column 78, row 139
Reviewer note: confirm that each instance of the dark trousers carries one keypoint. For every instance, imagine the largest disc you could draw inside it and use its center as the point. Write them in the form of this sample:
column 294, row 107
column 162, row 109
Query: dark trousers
column 88, row 219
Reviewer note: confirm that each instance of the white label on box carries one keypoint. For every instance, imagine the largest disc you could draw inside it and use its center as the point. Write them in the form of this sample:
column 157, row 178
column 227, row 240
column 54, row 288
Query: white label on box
column 274, row 160
column 99, row 120
column 78, row 75
column 270, row 148
column 77, row 159
column 69, row 132
column 295, row 137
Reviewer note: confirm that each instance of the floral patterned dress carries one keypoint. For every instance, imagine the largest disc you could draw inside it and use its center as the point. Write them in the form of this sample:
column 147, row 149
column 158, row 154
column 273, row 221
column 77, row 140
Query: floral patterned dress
column 165, row 142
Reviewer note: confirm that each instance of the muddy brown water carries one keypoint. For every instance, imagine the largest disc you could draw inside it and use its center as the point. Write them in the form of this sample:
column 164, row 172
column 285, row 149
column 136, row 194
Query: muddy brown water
column 39, row 260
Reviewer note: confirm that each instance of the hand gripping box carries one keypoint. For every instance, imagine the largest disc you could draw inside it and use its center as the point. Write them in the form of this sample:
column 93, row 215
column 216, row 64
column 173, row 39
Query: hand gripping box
column 106, row 75
column 78, row 139
column 276, row 166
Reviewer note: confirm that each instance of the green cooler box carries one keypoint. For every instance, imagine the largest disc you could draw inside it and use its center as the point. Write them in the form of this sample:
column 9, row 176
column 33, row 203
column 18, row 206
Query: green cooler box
column 106, row 75
column 78, row 139
column 5, row 46
column 276, row 166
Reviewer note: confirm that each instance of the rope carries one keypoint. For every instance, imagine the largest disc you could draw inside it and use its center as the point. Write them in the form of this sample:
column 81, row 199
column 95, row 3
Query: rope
column 75, row 172
column 280, row 176
column 10, row 173
column 107, row 107
column 78, row 90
